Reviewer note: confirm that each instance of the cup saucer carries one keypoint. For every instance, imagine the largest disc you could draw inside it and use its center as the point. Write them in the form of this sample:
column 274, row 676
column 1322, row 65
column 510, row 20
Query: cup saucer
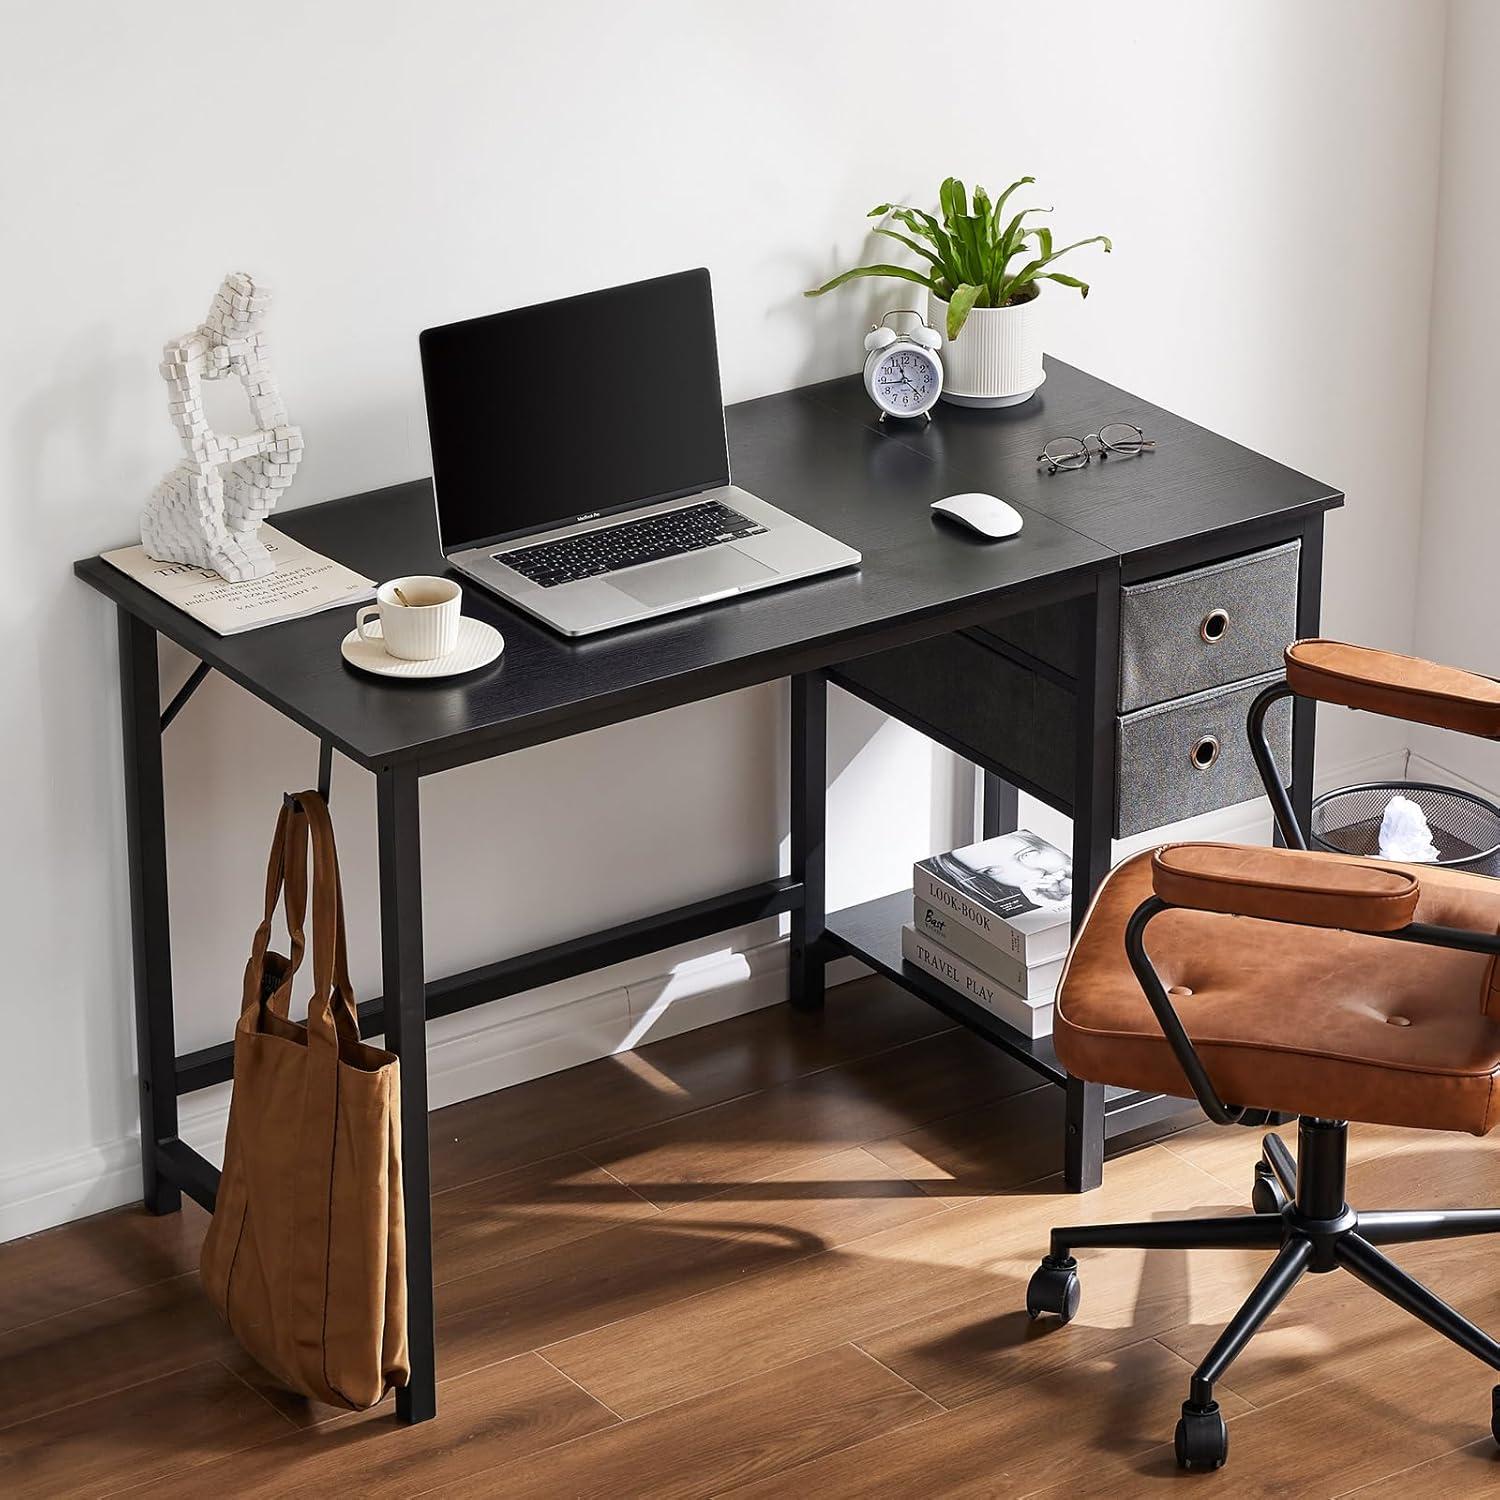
column 478, row 645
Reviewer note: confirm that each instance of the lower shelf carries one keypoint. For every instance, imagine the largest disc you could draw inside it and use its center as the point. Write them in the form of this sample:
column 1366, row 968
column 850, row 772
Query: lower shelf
column 871, row 932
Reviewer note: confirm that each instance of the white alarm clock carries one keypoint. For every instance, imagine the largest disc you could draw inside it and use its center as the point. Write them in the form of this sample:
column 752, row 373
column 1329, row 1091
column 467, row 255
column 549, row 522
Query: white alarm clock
column 903, row 374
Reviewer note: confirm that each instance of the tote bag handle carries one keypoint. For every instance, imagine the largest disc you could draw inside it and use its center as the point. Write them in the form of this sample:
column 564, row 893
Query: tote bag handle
column 331, row 1014
column 286, row 870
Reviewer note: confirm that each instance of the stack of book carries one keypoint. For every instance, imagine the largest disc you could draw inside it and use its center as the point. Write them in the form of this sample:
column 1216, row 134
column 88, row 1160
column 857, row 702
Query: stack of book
column 992, row 921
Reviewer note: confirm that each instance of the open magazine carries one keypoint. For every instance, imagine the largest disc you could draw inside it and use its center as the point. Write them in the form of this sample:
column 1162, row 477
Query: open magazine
column 304, row 583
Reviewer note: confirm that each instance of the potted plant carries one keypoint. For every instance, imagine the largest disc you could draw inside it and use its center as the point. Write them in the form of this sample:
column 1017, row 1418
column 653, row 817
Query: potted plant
column 983, row 278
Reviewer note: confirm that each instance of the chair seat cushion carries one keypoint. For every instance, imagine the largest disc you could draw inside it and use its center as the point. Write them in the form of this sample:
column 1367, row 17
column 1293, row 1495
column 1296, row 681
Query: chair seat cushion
column 1314, row 1021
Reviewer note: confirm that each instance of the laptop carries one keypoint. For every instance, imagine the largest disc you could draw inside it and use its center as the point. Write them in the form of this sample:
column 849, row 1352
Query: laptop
column 580, row 468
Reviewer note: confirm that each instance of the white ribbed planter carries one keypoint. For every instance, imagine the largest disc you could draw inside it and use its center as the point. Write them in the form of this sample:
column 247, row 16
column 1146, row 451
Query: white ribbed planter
column 996, row 360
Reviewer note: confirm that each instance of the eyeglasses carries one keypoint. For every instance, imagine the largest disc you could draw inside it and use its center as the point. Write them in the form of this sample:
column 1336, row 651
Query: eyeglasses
column 1074, row 453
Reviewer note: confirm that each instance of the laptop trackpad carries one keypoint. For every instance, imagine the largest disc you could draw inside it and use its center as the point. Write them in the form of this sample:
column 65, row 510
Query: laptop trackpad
column 682, row 580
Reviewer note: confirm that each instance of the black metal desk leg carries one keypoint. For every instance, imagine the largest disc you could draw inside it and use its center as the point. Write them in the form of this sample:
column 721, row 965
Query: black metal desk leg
column 1083, row 1143
column 809, row 816
column 1093, row 827
column 1305, row 710
column 146, row 839
column 406, row 1035
column 999, row 807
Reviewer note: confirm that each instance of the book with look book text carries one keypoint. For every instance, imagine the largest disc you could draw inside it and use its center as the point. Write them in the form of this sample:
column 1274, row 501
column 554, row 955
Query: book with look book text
column 1015, row 891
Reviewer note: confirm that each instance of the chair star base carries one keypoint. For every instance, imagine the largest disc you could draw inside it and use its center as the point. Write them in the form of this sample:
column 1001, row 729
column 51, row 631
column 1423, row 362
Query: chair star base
column 1303, row 1217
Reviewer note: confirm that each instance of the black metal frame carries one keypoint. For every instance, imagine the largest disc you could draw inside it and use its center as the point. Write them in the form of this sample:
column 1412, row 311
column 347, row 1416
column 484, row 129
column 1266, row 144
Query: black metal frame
column 1288, row 824
column 171, row 1167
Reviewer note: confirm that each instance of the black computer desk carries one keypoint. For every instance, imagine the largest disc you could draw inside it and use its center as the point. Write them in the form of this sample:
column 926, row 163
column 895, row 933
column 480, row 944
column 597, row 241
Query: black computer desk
column 819, row 453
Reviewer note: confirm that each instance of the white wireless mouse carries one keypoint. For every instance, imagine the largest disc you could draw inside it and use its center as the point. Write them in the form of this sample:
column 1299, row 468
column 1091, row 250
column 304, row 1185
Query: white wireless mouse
column 989, row 515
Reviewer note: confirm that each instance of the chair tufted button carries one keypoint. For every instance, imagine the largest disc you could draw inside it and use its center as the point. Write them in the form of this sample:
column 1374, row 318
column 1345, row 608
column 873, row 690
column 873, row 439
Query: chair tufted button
column 1397, row 1021
column 1180, row 990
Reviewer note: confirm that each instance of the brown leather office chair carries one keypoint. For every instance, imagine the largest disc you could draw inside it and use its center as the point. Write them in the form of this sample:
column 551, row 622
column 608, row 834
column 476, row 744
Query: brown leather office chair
column 1291, row 982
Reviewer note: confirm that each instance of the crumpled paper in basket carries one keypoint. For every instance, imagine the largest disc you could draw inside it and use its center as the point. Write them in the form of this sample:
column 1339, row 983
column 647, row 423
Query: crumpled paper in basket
column 1405, row 834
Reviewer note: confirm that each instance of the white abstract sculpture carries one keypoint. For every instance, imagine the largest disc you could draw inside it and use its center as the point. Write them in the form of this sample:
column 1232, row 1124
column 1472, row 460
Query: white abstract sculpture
column 207, row 511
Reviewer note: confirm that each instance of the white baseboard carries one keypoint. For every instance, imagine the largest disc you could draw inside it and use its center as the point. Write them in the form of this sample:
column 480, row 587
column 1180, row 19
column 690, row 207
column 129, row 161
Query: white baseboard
column 1420, row 768
column 41, row 1194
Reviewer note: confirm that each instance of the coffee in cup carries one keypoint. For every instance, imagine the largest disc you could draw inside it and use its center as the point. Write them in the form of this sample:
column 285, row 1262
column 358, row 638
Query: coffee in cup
column 417, row 617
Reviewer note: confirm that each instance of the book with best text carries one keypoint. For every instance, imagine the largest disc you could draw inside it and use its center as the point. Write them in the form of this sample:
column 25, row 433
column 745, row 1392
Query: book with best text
column 1037, row 983
column 1015, row 1010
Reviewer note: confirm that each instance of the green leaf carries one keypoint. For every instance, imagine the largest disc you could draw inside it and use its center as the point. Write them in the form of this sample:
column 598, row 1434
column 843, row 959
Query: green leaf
column 1065, row 280
column 960, row 305
column 983, row 212
column 1043, row 239
column 1000, row 201
column 922, row 223
column 902, row 273
column 1014, row 235
column 1029, row 270
column 970, row 264
column 953, row 199
column 911, row 245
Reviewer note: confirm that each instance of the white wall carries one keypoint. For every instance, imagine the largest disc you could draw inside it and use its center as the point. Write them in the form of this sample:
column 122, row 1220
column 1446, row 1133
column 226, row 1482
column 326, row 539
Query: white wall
column 1268, row 172
column 1455, row 619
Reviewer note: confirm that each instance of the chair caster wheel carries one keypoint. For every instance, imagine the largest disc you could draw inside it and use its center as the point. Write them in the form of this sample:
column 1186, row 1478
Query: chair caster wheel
column 1268, row 1196
column 1202, row 1439
column 1053, row 1289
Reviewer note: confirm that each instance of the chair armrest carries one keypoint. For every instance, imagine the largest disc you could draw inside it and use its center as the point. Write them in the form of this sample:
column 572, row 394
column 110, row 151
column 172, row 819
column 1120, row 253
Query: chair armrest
column 1399, row 687
column 1285, row 885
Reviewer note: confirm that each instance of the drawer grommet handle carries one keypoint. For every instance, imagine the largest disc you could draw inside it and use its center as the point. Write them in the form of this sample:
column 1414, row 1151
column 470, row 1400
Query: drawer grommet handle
column 1215, row 626
column 1205, row 753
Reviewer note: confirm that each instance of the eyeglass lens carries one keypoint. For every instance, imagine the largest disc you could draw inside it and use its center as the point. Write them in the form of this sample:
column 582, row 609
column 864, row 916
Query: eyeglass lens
column 1066, row 453
column 1121, row 437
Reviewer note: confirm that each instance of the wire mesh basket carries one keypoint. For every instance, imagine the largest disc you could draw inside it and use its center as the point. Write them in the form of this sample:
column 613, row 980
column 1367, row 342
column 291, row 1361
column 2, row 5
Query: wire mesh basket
column 1465, row 828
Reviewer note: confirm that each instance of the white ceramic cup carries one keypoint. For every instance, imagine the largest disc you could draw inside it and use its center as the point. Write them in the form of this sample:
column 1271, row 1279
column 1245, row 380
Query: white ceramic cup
column 422, row 628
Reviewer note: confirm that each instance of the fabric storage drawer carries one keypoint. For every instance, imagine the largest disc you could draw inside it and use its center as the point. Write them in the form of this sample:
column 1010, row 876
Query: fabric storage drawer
column 1213, row 625
column 1192, row 755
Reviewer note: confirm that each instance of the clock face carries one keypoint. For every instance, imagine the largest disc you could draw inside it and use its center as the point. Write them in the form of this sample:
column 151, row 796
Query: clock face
column 905, row 381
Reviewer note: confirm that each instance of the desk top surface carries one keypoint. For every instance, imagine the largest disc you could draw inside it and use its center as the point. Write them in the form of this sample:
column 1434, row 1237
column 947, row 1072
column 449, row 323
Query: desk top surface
column 818, row 453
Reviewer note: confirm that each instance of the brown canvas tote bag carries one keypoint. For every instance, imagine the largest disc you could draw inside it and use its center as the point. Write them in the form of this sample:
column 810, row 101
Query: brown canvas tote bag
column 306, row 1254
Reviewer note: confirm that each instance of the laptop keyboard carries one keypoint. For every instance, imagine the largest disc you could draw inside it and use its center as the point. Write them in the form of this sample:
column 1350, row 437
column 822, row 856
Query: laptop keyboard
column 610, row 548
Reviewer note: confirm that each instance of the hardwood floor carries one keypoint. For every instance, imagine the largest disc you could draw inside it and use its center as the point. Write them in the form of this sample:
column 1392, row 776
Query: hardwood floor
column 786, row 1255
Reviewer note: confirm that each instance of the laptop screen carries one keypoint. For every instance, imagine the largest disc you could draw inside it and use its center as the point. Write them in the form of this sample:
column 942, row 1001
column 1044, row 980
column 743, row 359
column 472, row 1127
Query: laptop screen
column 597, row 403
